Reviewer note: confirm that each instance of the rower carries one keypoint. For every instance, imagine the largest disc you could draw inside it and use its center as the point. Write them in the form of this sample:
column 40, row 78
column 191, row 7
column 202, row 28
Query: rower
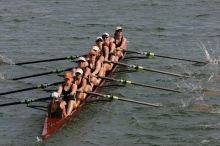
column 95, row 67
column 81, row 63
column 67, row 90
column 82, row 79
column 109, row 51
column 80, row 82
column 120, row 42
column 99, row 42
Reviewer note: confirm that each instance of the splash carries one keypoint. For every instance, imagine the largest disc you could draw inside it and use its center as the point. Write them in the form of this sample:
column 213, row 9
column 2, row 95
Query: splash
column 5, row 60
column 2, row 76
column 211, row 54
column 38, row 139
column 207, row 54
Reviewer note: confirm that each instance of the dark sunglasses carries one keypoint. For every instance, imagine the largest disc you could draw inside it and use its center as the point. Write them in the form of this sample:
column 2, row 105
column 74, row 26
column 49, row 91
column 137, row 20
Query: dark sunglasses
column 104, row 37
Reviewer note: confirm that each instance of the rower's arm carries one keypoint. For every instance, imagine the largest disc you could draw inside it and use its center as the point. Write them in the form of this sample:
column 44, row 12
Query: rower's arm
column 106, row 53
column 84, row 83
column 87, row 72
column 124, row 43
column 112, row 45
column 74, row 89
column 59, row 91
column 97, row 69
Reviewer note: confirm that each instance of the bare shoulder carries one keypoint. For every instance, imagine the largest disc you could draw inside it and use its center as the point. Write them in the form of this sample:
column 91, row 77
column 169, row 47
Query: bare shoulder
column 112, row 39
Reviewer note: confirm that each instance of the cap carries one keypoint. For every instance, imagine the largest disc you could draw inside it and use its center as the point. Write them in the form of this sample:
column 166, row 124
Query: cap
column 105, row 34
column 82, row 59
column 95, row 48
column 54, row 95
column 99, row 38
column 118, row 28
column 79, row 70
column 93, row 52
column 68, row 75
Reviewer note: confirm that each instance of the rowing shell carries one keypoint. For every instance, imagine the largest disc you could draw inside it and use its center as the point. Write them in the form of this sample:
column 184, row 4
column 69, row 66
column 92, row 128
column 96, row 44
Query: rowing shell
column 52, row 125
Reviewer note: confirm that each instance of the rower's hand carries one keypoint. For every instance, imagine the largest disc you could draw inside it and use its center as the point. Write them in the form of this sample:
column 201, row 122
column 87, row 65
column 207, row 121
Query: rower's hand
column 93, row 75
column 119, row 49
column 80, row 90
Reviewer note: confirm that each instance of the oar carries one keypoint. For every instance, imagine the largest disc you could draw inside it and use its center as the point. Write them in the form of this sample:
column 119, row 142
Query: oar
column 40, row 86
column 41, row 74
column 112, row 97
column 25, row 101
column 150, row 54
column 211, row 92
column 137, row 67
column 138, row 84
column 49, row 60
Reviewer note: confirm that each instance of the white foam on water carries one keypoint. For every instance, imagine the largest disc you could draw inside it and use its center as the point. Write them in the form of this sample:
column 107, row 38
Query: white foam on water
column 5, row 60
column 205, row 141
column 38, row 139
column 210, row 79
column 2, row 76
column 207, row 54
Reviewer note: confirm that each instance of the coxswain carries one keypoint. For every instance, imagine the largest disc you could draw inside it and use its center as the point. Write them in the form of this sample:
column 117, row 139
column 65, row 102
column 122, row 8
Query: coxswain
column 120, row 42
column 68, row 93
column 54, row 109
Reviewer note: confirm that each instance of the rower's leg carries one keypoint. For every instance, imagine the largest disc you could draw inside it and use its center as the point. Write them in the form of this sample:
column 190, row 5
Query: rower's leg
column 94, row 81
column 71, row 106
column 102, row 72
column 119, row 54
column 63, row 108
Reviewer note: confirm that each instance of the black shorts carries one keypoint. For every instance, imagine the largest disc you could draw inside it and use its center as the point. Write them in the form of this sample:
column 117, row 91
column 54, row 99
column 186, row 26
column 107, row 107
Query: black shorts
column 68, row 98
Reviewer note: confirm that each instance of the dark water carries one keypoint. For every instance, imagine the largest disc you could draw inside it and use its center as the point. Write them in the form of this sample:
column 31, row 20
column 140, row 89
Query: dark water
column 34, row 30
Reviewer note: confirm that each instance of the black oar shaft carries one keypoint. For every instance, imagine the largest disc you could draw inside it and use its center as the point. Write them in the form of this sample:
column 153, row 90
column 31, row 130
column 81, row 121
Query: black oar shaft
column 148, row 54
column 20, row 90
column 38, row 61
column 189, row 60
column 41, row 74
column 123, row 99
column 25, row 101
column 7, row 104
column 47, row 60
column 138, row 84
column 30, row 76
column 138, row 102
column 146, row 69
column 42, row 86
